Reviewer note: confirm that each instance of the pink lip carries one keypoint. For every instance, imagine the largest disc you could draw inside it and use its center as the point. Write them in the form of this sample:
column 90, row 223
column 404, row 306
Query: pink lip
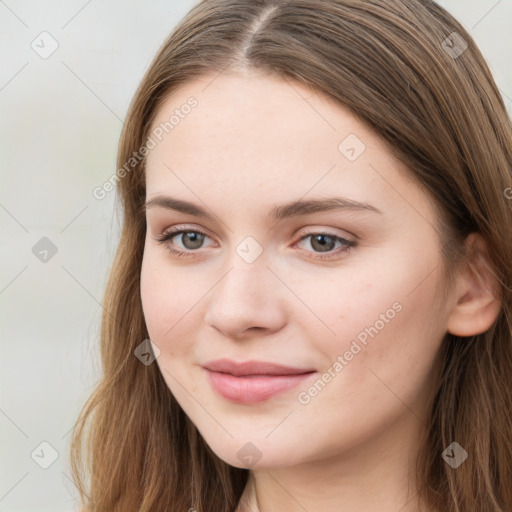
column 253, row 381
column 245, row 368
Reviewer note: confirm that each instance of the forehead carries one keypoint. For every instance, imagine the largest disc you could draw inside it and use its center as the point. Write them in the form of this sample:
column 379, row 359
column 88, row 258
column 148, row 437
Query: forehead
column 255, row 116
column 266, row 137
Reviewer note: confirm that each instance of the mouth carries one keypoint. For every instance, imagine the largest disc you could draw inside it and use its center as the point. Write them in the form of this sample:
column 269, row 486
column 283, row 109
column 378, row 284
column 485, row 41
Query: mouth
column 254, row 388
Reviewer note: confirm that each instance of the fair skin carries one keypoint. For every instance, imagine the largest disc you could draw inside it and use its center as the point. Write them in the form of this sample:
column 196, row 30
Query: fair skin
column 255, row 142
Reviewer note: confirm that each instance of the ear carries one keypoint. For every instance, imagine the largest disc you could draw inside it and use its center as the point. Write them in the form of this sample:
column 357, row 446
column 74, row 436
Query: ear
column 478, row 301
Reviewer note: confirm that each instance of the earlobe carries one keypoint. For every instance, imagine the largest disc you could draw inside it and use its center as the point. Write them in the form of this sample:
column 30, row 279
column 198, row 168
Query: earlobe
column 478, row 301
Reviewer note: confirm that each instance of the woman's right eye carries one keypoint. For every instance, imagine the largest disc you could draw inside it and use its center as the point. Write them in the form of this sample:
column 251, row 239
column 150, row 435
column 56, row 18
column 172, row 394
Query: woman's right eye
column 190, row 240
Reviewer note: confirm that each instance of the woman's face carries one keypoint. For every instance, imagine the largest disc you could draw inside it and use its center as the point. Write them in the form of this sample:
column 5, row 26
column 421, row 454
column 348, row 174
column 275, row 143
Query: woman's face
column 313, row 250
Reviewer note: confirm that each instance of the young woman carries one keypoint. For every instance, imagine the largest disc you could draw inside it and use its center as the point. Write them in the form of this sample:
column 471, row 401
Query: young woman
column 310, row 305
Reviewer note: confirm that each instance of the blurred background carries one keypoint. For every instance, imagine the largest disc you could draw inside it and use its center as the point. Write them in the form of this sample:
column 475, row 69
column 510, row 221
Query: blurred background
column 68, row 72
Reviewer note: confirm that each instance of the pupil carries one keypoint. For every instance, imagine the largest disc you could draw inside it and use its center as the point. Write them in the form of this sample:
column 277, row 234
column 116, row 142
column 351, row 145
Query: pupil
column 322, row 244
column 194, row 240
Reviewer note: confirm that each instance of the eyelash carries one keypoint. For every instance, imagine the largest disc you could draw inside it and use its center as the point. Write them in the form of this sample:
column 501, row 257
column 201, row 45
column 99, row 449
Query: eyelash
column 166, row 236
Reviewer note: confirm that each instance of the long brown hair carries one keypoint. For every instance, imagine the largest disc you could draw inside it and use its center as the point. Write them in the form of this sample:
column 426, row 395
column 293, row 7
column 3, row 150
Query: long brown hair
column 393, row 64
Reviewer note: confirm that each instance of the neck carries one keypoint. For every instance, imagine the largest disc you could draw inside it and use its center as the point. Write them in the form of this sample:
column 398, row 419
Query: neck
column 375, row 477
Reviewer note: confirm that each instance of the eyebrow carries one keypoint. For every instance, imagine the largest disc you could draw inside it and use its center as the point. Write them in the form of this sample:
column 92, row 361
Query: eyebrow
column 288, row 210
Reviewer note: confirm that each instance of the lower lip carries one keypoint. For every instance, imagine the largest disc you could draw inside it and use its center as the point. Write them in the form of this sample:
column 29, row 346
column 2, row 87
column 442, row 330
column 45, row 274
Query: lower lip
column 250, row 390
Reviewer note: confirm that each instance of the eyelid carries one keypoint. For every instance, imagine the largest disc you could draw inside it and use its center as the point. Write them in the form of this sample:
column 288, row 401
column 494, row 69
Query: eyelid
column 314, row 230
column 169, row 233
column 177, row 228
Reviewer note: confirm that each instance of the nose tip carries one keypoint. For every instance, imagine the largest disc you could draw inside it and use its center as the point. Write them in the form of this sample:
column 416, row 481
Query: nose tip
column 245, row 302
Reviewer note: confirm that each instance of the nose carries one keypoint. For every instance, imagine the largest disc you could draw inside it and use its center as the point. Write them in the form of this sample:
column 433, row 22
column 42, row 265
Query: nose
column 249, row 299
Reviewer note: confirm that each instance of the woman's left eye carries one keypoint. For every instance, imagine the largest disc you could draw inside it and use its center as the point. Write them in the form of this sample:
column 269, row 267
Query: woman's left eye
column 324, row 243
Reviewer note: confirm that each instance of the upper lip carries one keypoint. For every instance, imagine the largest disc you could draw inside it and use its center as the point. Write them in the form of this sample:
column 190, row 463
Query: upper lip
column 253, row 368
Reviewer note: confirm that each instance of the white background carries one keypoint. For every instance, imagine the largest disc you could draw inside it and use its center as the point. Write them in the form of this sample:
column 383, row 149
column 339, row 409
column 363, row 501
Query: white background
column 59, row 127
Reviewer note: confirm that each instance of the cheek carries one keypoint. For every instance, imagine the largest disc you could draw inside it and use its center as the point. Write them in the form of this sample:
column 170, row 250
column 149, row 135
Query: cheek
column 386, row 328
column 167, row 300
column 351, row 303
column 375, row 371
column 396, row 362
column 155, row 302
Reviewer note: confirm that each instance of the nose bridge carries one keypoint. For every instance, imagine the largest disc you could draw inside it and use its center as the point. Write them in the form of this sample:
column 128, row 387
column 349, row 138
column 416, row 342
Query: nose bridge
column 247, row 281
column 248, row 272
column 246, row 295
